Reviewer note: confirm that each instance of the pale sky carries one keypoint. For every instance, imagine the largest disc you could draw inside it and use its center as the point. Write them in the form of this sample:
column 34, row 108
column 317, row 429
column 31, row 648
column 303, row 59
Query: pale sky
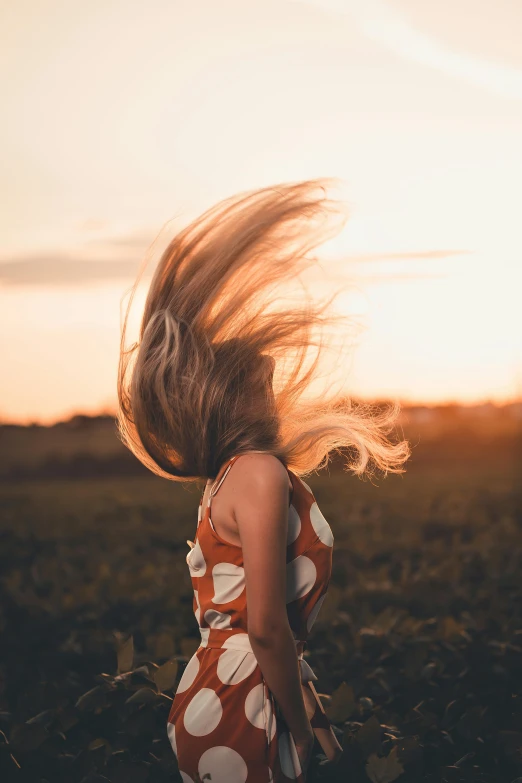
column 121, row 116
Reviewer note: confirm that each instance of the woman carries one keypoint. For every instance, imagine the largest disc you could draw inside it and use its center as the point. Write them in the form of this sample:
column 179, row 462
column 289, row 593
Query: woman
column 216, row 394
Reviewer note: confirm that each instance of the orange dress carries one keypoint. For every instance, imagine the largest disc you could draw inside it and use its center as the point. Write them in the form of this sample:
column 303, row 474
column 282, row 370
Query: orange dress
column 224, row 719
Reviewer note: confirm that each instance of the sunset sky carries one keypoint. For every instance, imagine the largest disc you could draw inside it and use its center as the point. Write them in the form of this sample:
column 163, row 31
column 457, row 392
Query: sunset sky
column 121, row 116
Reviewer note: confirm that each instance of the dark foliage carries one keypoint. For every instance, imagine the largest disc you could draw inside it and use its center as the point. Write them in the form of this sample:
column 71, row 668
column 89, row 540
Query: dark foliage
column 418, row 648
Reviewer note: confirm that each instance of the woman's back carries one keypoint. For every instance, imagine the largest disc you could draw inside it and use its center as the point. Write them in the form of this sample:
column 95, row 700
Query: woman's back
column 233, row 492
column 224, row 719
column 222, row 366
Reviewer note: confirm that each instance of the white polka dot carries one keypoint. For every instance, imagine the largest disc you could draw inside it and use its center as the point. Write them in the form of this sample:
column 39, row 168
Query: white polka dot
column 203, row 713
column 224, row 764
column 199, row 514
column 315, row 611
column 217, row 619
column 172, row 736
column 204, row 632
column 197, row 611
column 270, row 775
column 241, row 638
column 288, row 757
column 301, row 574
column 258, row 710
column 196, row 561
column 294, row 525
column 185, row 778
column 233, row 666
column 229, row 582
column 320, row 525
column 189, row 674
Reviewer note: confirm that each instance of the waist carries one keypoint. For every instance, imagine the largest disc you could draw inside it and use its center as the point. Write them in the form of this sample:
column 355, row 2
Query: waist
column 224, row 638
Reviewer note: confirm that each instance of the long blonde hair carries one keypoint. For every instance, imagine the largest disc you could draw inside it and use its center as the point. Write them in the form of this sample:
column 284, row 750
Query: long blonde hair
column 207, row 322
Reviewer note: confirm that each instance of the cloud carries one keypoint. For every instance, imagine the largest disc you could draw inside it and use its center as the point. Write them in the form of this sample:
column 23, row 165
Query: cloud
column 55, row 269
column 411, row 255
column 385, row 24
column 140, row 240
column 62, row 269
column 68, row 268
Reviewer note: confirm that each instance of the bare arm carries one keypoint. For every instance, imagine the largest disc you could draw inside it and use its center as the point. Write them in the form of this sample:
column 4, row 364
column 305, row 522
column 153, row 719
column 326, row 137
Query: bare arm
column 260, row 504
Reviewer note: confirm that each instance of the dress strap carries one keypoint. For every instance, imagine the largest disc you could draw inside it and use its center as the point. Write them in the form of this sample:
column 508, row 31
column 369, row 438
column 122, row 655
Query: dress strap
column 220, row 479
column 226, row 467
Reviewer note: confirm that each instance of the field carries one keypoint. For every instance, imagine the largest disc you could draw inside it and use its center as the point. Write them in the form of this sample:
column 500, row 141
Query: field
column 418, row 647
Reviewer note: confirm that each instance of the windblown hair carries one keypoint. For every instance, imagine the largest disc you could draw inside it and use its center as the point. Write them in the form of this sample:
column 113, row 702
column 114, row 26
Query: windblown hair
column 197, row 392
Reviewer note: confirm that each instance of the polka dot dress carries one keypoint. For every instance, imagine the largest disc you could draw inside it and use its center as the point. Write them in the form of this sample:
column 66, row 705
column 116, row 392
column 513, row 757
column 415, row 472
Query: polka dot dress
column 224, row 720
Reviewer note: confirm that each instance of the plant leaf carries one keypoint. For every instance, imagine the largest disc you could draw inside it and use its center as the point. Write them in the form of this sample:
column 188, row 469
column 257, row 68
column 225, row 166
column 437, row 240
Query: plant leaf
column 369, row 737
column 28, row 736
column 342, row 704
column 92, row 699
column 143, row 696
column 384, row 769
column 165, row 676
column 125, row 653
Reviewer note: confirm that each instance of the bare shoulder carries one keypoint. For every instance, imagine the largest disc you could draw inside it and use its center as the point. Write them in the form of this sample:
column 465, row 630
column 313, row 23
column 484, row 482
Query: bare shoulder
column 264, row 472
column 260, row 493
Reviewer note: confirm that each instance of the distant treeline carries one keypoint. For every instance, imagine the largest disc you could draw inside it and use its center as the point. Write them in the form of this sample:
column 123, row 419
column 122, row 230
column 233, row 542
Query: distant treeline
column 77, row 466
column 85, row 447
